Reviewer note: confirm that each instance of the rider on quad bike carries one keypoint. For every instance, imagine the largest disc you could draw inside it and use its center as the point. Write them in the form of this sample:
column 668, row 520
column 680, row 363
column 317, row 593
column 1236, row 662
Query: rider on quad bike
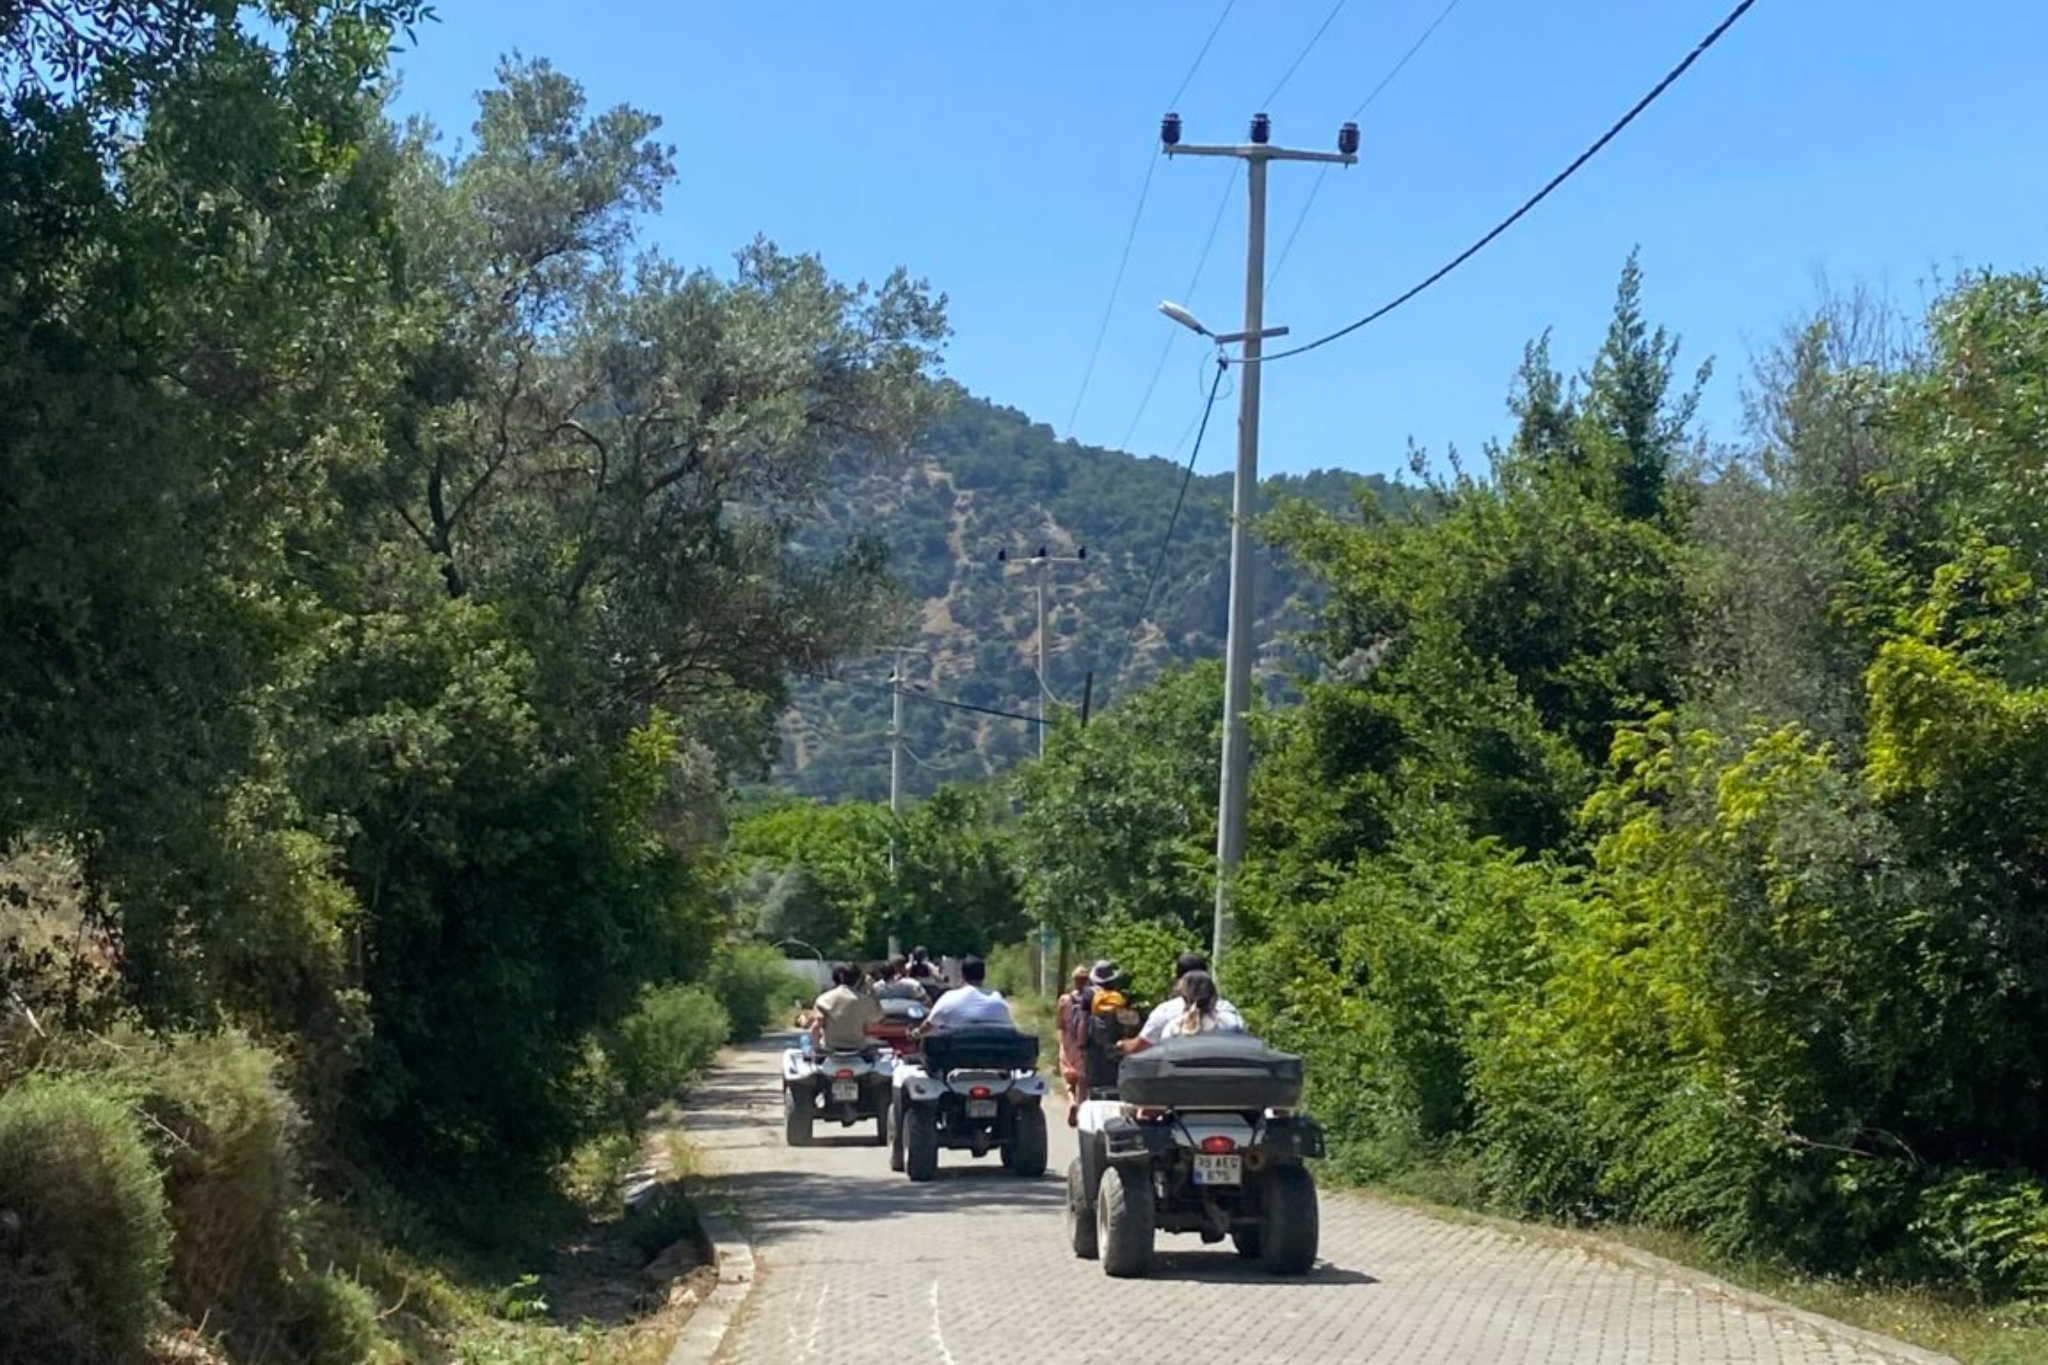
column 841, row 1016
column 1201, row 1133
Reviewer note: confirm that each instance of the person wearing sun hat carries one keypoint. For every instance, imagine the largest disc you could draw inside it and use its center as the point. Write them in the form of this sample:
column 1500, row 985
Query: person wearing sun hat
column 1098, row 1020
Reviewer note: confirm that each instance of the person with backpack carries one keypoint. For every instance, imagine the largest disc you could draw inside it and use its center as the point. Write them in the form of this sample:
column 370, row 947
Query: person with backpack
column 1099, row 1021
column 1072, row 1060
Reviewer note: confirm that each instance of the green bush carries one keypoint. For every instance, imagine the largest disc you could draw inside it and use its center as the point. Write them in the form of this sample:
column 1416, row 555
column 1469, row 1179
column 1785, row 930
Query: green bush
column 1010, row 970
column 754, row 986
column 224, row 1129
column 81, row 1281
column 1987, row 1231
column 667, row 1042
column 333, row 1321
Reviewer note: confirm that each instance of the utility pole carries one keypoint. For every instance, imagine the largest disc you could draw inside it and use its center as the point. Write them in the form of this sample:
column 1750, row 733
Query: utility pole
column 898, row 678
column 1042, row 562
column 1257, row 154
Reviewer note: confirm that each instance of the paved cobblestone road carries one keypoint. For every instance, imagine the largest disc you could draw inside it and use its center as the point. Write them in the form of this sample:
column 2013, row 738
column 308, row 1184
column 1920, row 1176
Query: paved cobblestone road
column 857, row 1265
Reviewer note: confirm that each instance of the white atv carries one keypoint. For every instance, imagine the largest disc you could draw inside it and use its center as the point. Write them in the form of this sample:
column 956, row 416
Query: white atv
column 839, row 1086
column 975, row 1088
column 1200, row 1134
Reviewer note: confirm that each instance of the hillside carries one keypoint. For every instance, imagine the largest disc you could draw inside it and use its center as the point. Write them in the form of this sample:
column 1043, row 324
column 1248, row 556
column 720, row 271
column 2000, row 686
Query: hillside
column 987, row 479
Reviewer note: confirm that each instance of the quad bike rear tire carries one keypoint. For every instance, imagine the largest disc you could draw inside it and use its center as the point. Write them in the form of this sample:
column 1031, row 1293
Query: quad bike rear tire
column 1125, row 1219
column 1293, row 1221
column 796, row 1118
column 893, row 1118
column 1248, row 1239
column 920, row 1144
column 1080, row 1214
column 1027, row 1157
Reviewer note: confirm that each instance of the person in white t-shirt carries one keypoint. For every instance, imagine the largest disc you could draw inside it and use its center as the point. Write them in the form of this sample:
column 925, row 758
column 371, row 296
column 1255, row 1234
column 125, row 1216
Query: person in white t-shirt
column 970, row 1003
column 1194, row 1007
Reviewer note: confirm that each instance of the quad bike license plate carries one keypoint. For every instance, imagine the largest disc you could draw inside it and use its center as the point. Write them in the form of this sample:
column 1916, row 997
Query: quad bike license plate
column 845, row 1090
column 981, row 1109
column 1218, row 1170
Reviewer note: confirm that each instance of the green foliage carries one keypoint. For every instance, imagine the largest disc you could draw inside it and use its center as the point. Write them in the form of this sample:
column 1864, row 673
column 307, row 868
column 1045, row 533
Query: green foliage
column 1118, row 821
column 818, row 876
column 754, row 986
column 225, row 1133
column 667, row 1042
column 81, row 1279
column 333, row 1320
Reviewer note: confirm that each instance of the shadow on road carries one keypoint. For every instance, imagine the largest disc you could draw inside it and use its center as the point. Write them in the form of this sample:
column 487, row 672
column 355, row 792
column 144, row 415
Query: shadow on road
column 782, row 1205
column 1227, row 1267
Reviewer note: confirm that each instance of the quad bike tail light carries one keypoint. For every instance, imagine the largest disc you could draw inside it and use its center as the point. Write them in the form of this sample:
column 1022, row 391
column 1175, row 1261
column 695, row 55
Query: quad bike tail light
column 844, row 1073
column 1219, row 1145
column 979, row 1092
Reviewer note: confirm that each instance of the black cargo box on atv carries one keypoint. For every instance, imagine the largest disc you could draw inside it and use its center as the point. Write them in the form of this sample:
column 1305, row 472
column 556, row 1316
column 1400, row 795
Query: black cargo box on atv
column 1211, row 1071
column 979, row 1047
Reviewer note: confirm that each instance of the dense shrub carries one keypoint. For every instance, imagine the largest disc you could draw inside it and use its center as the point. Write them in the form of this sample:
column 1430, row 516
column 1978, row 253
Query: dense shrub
column 79, row 1278
column 667, row 1042
column 754, row 985
column 225, row 1131
column 333, row 1321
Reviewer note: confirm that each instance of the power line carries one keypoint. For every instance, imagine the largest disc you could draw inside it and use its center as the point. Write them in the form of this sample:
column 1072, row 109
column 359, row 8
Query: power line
column 1469, row 252
column 921, row 696
column 1363, row 105
column 1172, row 522
column 1302, row 56
column 1194, row 280
column 1196, row 65
column 1123, row 262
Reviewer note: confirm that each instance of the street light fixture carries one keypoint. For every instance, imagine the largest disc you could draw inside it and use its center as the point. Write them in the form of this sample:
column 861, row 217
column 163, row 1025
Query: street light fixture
column 1183, row 317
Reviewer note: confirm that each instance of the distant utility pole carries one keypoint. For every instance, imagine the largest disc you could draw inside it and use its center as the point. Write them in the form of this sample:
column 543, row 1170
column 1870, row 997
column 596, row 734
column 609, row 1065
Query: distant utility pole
column 1042, row 561
column 898, row 678
column 1237, row 675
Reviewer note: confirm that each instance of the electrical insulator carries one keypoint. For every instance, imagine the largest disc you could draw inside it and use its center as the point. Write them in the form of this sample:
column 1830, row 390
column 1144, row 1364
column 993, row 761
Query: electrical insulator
column 1169, row 130
column 1262, row 129
column 1347, row 139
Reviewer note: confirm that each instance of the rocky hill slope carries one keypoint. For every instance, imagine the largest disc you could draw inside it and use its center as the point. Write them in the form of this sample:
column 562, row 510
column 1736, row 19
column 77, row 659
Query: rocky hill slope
column 986, row 479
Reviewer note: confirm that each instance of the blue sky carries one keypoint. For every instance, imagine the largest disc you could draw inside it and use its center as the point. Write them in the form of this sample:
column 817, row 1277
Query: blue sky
column 998, row 148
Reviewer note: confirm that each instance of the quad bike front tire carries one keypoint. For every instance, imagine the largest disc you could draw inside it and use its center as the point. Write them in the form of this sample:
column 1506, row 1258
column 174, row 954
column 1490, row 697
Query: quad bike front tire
column 1292, row 1227
column 920, row 1144
column 1027, row 1154
column 796, row 1118
column 1125, row 1216
column 1080, row 1214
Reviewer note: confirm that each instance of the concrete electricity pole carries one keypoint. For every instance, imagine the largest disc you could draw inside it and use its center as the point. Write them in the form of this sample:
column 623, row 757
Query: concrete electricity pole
column 897, row 680
column 1042, row 562
column 1237, row 674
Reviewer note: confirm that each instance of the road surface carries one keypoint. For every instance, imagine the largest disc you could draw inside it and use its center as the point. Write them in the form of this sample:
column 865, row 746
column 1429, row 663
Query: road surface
column 857, row 1266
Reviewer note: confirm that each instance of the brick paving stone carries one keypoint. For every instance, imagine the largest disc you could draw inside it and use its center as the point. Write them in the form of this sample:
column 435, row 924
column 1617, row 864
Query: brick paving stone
column 857, row 1266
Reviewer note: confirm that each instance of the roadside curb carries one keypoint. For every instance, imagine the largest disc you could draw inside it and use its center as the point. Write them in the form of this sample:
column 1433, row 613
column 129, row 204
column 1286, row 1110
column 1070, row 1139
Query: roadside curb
column 1688, row 1277
column 1700, row 1281
column 726, row 1249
